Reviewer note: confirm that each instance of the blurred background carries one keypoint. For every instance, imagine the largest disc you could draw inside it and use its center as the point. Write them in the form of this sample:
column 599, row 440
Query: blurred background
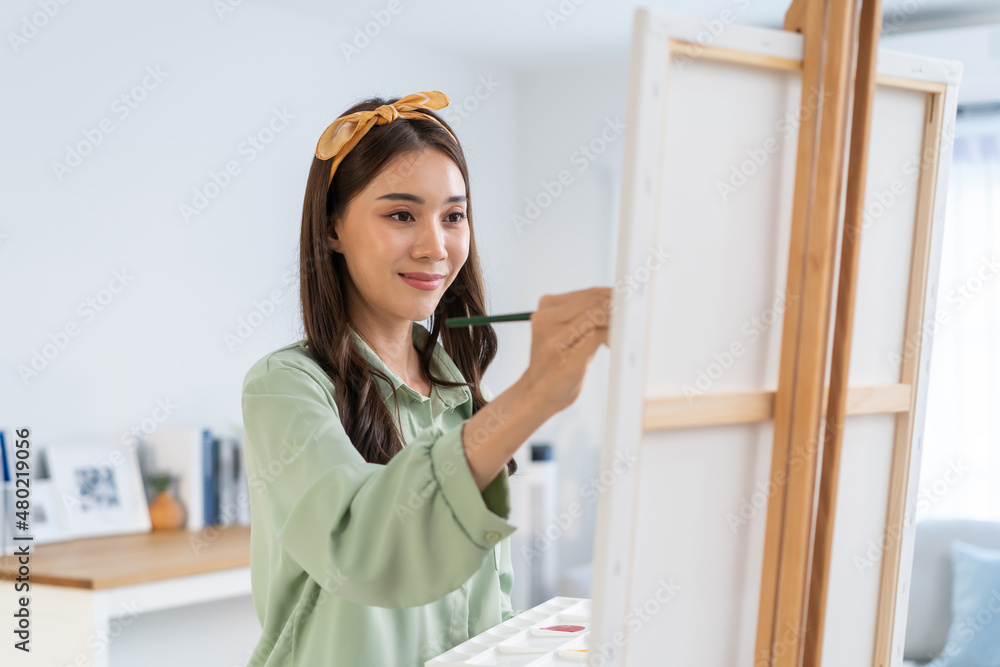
column 153, row 171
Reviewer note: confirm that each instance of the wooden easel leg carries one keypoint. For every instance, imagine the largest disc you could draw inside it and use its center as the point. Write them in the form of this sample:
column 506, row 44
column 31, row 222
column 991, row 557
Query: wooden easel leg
column 857, row 172
column 795, row 16
column 829, row 31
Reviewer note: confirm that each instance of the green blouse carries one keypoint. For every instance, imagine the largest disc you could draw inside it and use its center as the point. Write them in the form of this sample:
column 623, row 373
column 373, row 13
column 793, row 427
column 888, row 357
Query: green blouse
column 356, row 563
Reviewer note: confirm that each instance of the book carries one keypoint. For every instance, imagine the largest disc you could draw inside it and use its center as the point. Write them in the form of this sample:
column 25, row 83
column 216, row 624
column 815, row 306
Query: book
column 6, row 523
column 227, row 481
column 3, row 455
column 210, row 456
column 213, row 482
column 242, row 486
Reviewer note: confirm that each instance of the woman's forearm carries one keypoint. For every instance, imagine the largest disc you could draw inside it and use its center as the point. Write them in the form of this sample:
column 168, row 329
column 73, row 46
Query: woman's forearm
column 492, row 435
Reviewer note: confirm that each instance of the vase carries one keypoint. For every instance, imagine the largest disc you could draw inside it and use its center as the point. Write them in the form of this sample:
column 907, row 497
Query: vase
column 166, row 512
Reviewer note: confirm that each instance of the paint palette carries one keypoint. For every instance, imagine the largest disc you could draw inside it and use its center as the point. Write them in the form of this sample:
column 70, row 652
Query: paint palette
column 553, row 633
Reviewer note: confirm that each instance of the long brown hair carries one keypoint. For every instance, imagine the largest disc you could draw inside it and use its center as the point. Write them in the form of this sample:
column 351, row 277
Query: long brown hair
column 323, row 286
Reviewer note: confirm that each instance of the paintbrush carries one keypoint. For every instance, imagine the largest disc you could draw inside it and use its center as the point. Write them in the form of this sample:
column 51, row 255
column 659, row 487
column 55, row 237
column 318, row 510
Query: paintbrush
column 485, row 319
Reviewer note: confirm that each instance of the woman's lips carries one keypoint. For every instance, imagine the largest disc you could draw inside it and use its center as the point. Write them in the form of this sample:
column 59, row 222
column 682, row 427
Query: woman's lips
column 416, row 280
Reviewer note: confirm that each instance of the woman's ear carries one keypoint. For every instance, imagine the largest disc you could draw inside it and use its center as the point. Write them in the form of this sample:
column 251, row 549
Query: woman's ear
column 332, row 241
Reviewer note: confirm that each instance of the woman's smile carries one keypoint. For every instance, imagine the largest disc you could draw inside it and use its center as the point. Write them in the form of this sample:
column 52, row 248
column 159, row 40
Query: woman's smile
column 424, row 281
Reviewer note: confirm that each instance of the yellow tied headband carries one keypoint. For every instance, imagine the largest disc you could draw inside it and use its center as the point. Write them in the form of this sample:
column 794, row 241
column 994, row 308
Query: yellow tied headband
column 344, row 133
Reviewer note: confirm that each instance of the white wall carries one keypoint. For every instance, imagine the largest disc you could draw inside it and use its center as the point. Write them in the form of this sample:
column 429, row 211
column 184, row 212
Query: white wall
column 188, row 284
column 569, row 245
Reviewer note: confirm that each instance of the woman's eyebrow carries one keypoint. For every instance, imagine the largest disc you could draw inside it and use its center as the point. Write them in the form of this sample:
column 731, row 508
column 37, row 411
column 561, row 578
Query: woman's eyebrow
column 405, row 196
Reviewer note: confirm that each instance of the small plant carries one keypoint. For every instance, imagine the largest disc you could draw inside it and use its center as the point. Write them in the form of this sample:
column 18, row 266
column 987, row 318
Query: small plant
column 161, row 481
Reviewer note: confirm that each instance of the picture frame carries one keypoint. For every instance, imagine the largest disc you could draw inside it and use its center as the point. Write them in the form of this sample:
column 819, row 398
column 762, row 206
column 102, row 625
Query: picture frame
column 100, row 488
column 47, row 518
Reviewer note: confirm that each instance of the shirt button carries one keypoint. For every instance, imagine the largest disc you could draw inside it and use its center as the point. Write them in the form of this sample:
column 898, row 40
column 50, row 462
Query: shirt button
column 493, row 536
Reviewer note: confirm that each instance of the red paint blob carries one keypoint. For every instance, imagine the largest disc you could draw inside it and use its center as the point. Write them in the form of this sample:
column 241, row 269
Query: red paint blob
column 564, row 628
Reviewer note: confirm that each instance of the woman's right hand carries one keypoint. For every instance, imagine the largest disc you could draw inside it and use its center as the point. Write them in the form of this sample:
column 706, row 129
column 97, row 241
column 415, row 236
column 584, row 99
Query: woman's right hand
column 566, row 331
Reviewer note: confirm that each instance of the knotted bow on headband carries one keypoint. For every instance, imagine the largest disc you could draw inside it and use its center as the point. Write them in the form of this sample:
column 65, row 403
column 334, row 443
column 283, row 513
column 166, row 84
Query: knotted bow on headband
column 344, row 133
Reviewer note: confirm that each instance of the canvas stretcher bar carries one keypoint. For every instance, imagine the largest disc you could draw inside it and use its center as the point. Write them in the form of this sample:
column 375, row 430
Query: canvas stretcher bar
column 914, row 370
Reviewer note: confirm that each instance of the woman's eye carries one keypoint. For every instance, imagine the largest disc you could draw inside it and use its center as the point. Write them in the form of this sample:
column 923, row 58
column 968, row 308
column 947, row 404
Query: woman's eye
column 460, row 214
column 400, row 213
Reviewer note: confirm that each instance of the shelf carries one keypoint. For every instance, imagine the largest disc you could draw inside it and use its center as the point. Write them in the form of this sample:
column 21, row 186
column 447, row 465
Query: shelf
column 97, row 563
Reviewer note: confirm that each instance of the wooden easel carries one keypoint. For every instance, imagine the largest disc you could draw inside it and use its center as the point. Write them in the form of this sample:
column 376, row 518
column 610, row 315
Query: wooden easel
column 791, row 596
column 840, row 58
column 763, row 585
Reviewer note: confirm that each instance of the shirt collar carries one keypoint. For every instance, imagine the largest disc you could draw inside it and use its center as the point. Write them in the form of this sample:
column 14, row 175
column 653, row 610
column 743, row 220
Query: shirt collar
column 442, row 366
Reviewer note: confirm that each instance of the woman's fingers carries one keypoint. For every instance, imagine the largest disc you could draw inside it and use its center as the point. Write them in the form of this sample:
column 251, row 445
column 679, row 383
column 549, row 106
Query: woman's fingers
column 588, row 329
column 566, row 331
column 566, row 307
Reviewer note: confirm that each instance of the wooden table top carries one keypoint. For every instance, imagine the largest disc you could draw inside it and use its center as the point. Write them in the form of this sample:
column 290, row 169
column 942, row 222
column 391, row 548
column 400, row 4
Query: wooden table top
column 122, row 560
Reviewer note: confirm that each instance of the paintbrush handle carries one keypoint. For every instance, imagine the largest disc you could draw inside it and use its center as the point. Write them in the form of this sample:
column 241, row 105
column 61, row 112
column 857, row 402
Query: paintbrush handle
column 485, row 319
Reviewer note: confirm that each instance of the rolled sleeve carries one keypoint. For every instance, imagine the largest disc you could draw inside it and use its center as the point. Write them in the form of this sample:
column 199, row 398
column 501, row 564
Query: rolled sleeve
column 482, row 514
column 396, row 535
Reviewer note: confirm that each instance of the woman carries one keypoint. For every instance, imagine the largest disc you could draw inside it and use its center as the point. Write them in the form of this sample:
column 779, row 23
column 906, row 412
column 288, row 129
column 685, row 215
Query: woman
column 378, row 460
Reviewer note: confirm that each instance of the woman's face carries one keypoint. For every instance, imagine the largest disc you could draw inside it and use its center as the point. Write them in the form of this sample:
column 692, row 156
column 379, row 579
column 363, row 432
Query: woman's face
column 410, row 219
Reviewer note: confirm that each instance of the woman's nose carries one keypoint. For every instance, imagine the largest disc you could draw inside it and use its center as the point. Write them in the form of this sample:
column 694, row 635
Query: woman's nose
column 430, row 242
